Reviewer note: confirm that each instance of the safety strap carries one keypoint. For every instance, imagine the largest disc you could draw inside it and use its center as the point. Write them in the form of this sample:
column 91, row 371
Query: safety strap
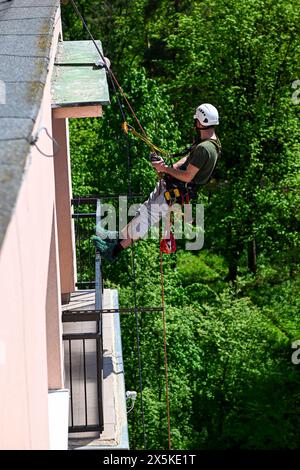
column 217, row 144
column 126, row 128
column 181, row 193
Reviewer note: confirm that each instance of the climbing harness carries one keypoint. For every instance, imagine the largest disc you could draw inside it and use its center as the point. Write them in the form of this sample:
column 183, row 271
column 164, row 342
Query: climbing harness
column 178, row 192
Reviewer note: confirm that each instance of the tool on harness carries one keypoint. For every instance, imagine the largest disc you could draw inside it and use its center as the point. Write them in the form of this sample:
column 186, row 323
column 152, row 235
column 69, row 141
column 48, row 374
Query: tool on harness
column 175, row 196
column 168, row 245
column 178, row 192
column 173, row 193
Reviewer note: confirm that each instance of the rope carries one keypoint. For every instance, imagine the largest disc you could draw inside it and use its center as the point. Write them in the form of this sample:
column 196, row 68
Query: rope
column 146, row 139
column 138, row 342
column 126, row 127
column 115, row 82
column 137, row 326
column 165, row 348
column 108, row 70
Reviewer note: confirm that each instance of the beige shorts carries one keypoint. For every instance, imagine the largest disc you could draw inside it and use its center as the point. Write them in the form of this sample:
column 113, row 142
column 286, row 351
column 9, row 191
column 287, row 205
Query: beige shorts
column 150, row 212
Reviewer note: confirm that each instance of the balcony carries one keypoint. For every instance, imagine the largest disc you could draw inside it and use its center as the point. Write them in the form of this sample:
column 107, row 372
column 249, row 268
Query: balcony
column 93, row 361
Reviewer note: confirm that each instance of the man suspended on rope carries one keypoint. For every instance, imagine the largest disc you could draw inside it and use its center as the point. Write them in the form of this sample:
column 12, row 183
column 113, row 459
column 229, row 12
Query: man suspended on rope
column 179, row 184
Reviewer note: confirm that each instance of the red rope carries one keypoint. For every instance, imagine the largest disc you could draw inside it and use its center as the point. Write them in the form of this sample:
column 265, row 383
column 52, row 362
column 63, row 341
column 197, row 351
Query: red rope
column 165, row 348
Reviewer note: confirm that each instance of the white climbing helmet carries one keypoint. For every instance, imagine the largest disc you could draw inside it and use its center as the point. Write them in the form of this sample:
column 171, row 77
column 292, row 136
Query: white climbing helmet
column 207, row 115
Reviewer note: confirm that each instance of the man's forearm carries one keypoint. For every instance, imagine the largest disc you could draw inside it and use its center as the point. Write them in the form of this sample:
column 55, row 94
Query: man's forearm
column 180, row 162
column 181, row 175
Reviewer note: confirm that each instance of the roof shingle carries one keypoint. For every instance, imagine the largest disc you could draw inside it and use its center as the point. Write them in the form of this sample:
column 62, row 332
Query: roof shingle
column 26, row 31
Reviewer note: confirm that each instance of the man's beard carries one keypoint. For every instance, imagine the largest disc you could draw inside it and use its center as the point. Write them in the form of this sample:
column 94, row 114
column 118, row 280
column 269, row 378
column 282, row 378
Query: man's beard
column 197, row 138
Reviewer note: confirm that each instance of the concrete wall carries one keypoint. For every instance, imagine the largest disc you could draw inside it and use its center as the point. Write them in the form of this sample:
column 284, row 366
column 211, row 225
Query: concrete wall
column 63, row 189
column 53, row 315
column 30, row 298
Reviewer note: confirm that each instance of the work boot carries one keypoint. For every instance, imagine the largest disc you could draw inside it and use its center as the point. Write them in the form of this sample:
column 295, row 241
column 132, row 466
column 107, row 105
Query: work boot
column 105, row 248
column 106, row 234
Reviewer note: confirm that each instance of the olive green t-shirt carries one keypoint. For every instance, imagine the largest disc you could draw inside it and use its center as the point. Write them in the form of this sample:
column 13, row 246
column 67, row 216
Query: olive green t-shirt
column 204, row 156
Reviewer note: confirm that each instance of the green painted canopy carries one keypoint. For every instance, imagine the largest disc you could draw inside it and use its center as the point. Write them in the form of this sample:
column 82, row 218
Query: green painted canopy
column 77, row 80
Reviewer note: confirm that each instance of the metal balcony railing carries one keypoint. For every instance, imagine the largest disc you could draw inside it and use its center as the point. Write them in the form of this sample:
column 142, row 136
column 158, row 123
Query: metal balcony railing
column 84, row 356
column 82, row 335
column 87, row 214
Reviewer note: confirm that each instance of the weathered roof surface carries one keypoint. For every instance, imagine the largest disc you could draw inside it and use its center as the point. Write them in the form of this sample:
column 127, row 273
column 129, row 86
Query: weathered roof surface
column 26, row 30
column 76, row 78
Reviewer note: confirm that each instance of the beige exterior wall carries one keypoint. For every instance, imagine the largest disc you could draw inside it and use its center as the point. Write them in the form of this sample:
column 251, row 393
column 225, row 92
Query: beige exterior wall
column 53, row 315
column 30, row 329
column 63, row 189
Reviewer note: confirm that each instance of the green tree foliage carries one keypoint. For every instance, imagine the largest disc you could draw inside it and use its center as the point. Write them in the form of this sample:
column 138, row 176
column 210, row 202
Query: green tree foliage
column 104, row 146
column 232, row 308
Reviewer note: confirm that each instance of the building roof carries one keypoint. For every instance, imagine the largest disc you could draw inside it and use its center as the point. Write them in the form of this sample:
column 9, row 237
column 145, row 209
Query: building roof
column 26, row 29
column 77, row 80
